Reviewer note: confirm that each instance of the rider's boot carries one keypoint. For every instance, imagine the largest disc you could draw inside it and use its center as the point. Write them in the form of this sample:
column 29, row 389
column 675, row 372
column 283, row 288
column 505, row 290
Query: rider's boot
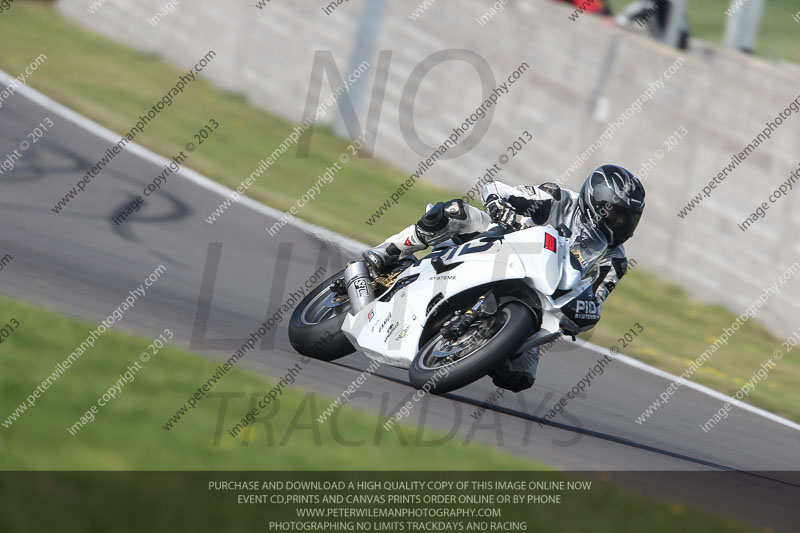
column 400, row 245
column 519, row 372
column 439, row 223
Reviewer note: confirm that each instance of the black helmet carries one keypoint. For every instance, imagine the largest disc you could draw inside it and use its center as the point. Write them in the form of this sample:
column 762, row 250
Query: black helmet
column 612, row 199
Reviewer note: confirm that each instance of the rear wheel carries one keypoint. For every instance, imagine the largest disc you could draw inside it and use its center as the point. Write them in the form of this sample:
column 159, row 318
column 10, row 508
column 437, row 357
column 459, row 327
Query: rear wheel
column 443, row 364
column 315, row 327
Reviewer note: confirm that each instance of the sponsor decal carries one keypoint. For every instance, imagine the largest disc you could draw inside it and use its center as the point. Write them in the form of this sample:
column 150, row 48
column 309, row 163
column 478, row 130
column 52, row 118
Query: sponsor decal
column 390, row 330
column 586, row 309
column 385, row 321
column 403, row 332
column 371, row 315
column 440, row 277
column 362, row 286
column 408, row 242
column 450, row 253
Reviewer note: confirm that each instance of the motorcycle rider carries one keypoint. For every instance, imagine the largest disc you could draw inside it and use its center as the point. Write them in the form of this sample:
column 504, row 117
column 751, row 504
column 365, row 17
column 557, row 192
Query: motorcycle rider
column 600, row 218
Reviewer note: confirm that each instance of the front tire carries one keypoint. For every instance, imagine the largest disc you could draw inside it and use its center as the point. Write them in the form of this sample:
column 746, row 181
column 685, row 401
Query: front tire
column 444, row 365
column 315, row 329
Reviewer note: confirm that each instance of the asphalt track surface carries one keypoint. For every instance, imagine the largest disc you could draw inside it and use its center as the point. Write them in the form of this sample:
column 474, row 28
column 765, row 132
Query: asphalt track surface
column 81, row 264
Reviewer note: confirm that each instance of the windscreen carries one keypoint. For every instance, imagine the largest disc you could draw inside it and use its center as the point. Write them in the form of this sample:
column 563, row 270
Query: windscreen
column 587, row 246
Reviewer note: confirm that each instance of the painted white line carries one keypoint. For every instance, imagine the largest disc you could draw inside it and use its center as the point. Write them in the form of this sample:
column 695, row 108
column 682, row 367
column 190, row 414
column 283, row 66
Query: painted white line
column 689, row 384
column 104, row 133
column 329, row 236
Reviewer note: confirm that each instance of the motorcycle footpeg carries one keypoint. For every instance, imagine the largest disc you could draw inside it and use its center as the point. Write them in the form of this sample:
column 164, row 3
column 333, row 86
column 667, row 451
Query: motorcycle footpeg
column 338, row 287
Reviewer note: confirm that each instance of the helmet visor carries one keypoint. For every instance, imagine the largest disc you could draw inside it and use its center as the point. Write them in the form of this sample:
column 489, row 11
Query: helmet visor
column 620, row 222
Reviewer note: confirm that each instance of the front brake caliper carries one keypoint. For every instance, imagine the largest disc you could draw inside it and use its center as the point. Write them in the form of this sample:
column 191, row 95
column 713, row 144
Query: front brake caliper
column 458, row 325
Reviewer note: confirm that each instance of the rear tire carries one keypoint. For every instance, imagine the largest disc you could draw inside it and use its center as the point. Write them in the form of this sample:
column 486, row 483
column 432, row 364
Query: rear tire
column 513, row 323
column 315, row 329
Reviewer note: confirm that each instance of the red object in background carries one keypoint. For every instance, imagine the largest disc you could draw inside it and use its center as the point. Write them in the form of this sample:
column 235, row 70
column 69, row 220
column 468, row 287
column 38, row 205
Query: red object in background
column 590, row 6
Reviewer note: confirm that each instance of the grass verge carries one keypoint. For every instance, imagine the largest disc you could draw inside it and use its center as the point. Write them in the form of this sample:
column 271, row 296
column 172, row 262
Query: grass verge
column 127, row 434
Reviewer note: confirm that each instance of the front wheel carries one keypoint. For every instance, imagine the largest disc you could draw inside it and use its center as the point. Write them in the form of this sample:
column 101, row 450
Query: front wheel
column 315, row 329
column 443, row 365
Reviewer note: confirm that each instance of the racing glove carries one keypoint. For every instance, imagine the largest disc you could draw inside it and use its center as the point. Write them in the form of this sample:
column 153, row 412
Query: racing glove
column 500, row 210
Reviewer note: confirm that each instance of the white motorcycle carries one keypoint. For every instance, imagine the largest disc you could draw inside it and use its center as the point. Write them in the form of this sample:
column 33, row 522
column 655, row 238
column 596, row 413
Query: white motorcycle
column 452, row 316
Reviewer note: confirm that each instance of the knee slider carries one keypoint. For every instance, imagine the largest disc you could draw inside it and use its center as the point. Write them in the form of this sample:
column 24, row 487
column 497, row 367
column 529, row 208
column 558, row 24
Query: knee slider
column 441, row 221
column 434, row 219
column 552, row 189
column 454, row 209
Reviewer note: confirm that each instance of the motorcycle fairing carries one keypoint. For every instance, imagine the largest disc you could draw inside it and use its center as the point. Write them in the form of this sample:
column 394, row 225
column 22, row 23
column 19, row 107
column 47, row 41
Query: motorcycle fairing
column 390, row 330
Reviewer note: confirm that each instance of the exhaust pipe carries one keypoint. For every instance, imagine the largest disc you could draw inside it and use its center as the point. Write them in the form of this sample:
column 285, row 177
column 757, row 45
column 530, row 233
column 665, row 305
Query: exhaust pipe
column 359, row 286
